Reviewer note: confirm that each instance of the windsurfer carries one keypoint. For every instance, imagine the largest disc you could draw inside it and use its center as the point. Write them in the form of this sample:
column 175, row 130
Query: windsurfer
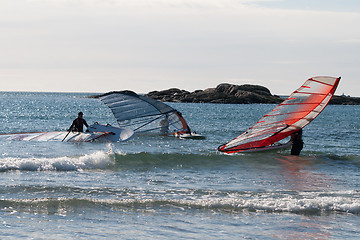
column 297, row 142
column 164, row 126
column 78, row 123
column 187, row 129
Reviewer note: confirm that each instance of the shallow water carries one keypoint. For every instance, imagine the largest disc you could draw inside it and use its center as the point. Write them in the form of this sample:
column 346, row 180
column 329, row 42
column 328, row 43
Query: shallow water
column 163, row 187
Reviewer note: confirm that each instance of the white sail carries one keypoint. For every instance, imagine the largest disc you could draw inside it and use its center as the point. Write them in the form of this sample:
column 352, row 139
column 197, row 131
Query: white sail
column 143, row 114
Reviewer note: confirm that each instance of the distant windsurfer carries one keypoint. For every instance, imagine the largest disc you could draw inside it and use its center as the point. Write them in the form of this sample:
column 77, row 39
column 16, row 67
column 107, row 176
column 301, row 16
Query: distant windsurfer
column 187, row 129
column 297, row 143
column 78, row 123
column 164, row 126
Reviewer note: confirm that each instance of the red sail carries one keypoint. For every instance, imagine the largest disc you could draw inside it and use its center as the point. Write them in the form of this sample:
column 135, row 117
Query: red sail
column 298, row 110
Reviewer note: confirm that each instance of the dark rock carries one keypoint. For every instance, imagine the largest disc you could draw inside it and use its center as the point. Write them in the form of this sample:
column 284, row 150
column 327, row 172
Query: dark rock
column 232, row 94
column 223, row 93
column 345, row 100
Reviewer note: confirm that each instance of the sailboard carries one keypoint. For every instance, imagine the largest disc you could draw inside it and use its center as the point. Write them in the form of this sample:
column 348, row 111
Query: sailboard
column 191, row 135
column 97, row 132
column 63, row 136
column 143, row 114
column 298, row 110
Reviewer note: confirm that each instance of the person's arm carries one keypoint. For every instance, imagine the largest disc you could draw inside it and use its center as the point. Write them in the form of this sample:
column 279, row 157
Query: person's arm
column 72, row 125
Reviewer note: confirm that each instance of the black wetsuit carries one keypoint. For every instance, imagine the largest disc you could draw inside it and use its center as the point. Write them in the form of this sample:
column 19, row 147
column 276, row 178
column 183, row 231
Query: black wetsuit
column 297, row 143
column 78, row 124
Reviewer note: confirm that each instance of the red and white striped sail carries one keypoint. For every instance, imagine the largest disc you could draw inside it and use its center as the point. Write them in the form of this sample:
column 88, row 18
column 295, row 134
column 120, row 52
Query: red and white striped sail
column 298, row 110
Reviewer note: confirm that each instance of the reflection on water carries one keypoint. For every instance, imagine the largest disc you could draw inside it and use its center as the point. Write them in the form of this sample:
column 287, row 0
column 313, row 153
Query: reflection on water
column 300, row 173
column 306, row 228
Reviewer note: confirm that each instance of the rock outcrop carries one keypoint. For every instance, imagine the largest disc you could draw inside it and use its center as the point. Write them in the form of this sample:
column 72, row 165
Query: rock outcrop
column 223, row 93
column 230, row 93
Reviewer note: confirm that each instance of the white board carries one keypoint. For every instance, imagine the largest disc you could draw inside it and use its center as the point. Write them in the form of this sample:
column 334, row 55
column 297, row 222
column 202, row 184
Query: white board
column 54, row 136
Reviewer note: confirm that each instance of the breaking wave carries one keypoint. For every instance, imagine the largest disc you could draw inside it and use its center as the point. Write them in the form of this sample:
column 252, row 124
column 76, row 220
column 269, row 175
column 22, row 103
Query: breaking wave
column 117, row 160
column 309, row 203
column 97, row 160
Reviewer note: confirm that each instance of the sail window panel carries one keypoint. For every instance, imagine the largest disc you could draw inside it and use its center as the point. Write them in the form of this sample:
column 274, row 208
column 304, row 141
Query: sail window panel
column 161, row 107
column 174, row 121
column 326, row 80
column 128, row 107
column 286, row 109
column 112, row 101
column 132, row 111
column 125, row 113
column 120, row 101
column 142, row 113
column 295, row 99
column 145, row 124
column 272, row 119
column 300, row 98
column 283, row 109
column 315, row 87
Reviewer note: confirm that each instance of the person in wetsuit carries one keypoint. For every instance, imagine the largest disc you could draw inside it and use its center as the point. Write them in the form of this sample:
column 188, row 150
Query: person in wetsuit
column 297, row 143
column 78, row 123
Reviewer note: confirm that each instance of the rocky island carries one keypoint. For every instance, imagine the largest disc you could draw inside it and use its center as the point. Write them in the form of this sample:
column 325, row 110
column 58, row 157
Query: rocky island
column 223, row 93
column 232, row 94
column 235, row 94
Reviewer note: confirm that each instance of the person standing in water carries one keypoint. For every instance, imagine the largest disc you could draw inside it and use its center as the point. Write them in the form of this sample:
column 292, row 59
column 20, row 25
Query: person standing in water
column 164, row 126
column 297, row 143
column 78, row 123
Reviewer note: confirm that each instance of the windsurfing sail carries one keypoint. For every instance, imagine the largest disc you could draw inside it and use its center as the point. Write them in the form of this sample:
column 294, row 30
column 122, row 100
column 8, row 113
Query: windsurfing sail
column 298, row 110
column 144, row 114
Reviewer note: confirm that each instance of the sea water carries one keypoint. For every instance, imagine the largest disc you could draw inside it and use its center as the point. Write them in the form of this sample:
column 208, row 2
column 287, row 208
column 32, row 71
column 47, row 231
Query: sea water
column 155, row 187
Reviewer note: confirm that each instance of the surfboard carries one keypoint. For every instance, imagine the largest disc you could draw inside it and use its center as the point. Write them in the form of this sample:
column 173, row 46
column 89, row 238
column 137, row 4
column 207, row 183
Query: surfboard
column 190, row 136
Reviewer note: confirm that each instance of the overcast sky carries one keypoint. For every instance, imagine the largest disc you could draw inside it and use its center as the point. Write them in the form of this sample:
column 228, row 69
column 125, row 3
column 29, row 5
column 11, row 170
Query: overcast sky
column 145, row 45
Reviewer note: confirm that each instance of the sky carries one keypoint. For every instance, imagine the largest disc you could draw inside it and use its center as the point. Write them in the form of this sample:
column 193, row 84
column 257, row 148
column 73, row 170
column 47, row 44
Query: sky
column 99, row 46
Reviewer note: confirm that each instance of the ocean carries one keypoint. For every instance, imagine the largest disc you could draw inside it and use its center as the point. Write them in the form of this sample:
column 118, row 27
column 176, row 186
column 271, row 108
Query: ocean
column 156, row 187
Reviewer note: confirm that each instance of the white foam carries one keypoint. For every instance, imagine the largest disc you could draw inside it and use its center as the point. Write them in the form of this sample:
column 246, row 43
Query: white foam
column 313, row 203
column 96, row 160
column 339, row 202
column 275, row 202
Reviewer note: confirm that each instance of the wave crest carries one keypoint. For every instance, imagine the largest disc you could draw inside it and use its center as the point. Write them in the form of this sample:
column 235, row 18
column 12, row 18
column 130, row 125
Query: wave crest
column 96, row 160
column 305, row 203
